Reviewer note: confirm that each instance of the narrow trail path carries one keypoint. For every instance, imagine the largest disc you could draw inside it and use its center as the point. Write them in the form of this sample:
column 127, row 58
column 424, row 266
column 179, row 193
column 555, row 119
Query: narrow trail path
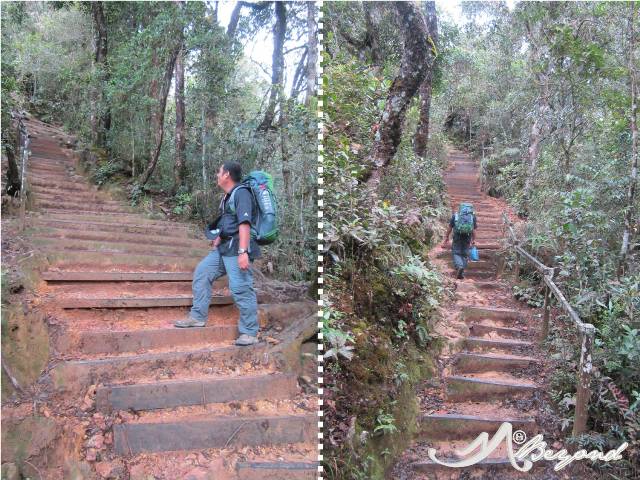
column 491, row 368
column 135, row 397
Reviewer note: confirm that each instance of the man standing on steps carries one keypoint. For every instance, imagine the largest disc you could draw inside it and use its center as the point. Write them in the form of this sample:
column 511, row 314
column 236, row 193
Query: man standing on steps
column 464, row 225
column 232, row 253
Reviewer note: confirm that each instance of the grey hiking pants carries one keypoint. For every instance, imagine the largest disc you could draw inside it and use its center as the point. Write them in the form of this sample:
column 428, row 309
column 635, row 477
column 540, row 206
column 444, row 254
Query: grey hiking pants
column 460, row 257
column 214, row 266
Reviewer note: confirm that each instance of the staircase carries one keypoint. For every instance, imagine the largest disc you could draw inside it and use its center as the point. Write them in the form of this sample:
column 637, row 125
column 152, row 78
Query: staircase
column 139, row 398
column 492, row 371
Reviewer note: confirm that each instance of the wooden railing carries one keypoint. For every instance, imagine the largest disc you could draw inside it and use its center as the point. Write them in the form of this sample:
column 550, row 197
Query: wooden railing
column 586, row 330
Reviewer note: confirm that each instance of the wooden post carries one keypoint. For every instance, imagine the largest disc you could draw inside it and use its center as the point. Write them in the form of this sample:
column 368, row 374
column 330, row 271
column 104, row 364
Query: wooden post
column 583, row 393
column 547, row 310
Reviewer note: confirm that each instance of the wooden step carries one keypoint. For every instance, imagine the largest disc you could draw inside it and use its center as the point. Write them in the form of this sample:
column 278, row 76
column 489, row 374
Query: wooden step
column 453, row 426
column 137, row 302
column 476, row 363
column 92, row 259
column 135, row 341
column 221, row 432
column 478, row 329
column 483, row 344
column 74, row 376
column 69, row 276
column 277, row 470
column 428, row 466
column 120, row 238
column 177, row 393
column 461, row 389
column 479, row 313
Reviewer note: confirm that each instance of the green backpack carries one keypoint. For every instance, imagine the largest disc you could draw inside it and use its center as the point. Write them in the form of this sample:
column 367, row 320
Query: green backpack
column 463, row 220
column 260, row 184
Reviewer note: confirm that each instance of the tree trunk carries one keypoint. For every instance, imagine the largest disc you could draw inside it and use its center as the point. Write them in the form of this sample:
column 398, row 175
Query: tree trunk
column 412, row 70
column 277, row 65
column 284, row 148
column 312, row 51
column 633, row 178
column 157, row 117
column 102, row 120
column 540, row 123
column 372, row 20
column 179, row 167
column 11, row 146
column 233, row 21
column 421, row 137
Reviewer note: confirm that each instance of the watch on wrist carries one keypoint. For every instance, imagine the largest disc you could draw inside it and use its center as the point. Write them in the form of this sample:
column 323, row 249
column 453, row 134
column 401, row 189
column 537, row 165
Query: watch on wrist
column 242, row 250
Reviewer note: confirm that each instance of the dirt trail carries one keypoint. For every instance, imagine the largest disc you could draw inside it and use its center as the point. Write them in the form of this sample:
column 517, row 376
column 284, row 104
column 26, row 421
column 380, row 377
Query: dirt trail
column 134, row 397
column 491, row 368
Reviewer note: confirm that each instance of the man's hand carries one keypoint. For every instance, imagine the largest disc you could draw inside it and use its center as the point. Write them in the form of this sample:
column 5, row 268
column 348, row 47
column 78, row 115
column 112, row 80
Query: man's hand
column 215, row 243
column 243, row 261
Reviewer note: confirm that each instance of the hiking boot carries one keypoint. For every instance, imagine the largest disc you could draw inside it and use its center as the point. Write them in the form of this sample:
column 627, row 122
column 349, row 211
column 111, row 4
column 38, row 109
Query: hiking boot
column 245, row 340
column 460, row 273
column 190, row 322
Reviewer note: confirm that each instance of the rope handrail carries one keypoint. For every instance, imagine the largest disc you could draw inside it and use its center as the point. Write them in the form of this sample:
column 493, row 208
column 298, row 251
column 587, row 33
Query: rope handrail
column 587, row 330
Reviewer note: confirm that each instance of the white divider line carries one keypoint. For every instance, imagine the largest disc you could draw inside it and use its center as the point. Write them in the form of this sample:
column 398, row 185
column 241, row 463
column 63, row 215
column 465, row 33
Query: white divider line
column 320, row 116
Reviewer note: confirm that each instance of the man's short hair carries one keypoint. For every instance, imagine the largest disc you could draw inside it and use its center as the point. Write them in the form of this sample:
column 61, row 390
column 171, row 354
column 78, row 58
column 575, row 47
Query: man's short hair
column 234, row 169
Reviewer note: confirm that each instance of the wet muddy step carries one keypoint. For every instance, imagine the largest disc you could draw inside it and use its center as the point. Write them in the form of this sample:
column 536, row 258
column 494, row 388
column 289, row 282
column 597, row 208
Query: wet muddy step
column 476, row 363
column 176, row 393
column 453, row 426
column 505, row 345
column 460, row 389
column 220, row 432
column 74, row 376
column 277, row 470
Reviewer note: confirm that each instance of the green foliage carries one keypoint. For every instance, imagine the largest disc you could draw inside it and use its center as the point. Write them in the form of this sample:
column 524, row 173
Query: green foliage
column 385, row 424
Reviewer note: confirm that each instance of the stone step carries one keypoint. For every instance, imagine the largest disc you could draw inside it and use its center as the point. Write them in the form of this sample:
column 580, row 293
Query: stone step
column 478, row 313
column 177, row 393
column 220, row 432
column 137, row 302
column 74, row 376
column 277, row 470
column 508, row 332
column 483, row 344
column 462, row 389
column 453, row 426
column 477, row 363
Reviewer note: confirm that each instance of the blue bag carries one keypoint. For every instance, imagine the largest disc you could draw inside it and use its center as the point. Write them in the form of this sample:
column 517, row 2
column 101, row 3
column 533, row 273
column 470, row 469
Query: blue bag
column 473, row 254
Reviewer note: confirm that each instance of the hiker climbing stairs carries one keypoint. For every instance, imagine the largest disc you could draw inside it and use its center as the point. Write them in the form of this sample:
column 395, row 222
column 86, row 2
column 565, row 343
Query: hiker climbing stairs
column 490, row 370
column 146, row 399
